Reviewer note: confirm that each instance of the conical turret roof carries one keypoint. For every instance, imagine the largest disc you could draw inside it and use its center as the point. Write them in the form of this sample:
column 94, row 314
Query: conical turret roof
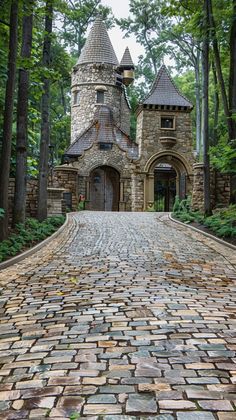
column 126, row 60
column 98, row 47
column 164, row 92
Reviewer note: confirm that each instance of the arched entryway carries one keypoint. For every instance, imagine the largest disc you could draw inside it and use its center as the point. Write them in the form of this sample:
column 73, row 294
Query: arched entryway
column 167, row 177
column 104, row 189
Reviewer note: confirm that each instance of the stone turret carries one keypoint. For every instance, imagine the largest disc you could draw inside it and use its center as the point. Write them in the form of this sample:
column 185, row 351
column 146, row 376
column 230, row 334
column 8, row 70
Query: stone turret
column 164, row 122
column 96, row 80
column 127, row 68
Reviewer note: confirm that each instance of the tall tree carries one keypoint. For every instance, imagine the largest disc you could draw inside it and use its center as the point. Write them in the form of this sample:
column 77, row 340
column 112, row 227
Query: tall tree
column 8, row 117
column 22, row 117
column 219, row 71
column 205, row 108
column 232, row 73
column 76, row 16
column 45, row 123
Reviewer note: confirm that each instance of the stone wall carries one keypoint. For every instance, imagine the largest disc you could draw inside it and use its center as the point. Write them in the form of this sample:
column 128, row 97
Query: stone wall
column 220, row 188
column 87, row 79
column 94, row 157
column 31, row 197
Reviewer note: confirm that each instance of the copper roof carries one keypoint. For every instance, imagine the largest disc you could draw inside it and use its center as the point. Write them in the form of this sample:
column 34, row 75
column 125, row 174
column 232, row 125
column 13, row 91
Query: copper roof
column 126, row 60
column 98, row 47
column 102, row 130
column 164, row 92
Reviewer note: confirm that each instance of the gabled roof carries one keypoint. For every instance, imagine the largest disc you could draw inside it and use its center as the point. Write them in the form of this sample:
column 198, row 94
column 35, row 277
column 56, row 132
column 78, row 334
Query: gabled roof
column 103, row 130
column 164, row 92
column 98, row 47
column 126, row 60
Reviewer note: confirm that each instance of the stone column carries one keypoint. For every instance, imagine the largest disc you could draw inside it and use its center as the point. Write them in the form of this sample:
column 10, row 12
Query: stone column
column 137, row 186
column 149, row 191
column 220, row 188
column 55, row 201
column 121, row 202
column 66, row 177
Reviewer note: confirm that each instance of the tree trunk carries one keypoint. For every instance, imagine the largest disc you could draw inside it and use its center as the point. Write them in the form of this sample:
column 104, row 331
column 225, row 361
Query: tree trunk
column 232, row 74
column 219, row 71
column 8, row 117
column 205, row 109
column 45, row 123
column 216, row 106
column 22, row 119
column 198, row 105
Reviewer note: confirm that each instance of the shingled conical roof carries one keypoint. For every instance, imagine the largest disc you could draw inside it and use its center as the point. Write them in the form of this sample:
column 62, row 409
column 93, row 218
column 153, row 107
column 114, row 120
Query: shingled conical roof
column 126, row 60
column 164, row 92
column 98, row 47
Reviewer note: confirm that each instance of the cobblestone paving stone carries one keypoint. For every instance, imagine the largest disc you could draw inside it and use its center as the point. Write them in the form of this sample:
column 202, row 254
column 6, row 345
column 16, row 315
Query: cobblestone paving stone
column 123, row 316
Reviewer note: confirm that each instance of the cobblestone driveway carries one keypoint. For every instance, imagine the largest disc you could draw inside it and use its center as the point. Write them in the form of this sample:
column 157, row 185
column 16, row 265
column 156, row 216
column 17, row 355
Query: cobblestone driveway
column 123, row 316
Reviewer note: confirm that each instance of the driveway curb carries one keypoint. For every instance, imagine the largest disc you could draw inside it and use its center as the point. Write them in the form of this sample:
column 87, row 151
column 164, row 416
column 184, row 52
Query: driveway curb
column 208, row 235
column 36, row 248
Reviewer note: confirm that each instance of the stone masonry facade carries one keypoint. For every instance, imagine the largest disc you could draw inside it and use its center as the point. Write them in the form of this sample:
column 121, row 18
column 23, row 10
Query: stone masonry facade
column 87, row 80
column 103, row 167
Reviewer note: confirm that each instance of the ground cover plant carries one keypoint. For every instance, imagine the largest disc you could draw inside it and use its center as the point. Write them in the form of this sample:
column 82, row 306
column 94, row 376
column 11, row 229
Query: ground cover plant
column 26, row 235
column 222, row 222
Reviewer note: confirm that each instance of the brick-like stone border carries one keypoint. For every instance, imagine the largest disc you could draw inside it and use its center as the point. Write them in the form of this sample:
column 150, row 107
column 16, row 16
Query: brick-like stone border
column 221, row 241
column 36, row 248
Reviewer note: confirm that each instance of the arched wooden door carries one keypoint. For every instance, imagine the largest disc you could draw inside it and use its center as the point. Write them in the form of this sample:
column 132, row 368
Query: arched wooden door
column 104, row 189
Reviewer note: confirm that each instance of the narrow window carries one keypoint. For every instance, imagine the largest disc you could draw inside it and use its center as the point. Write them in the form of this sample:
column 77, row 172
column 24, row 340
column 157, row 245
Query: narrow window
column 100, row 97
column 167, row 122
column 76, row 98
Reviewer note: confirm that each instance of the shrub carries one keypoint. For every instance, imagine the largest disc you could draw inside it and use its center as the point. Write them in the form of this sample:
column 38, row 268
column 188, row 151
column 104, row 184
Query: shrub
column 222, row 222
column 27, row 235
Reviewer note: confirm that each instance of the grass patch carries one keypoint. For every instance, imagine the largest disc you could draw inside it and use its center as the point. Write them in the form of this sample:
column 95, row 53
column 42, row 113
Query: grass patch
column 27, row 235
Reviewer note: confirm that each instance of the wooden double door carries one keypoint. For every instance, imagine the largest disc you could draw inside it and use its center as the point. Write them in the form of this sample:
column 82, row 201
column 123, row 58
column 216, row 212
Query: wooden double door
column 104, row 189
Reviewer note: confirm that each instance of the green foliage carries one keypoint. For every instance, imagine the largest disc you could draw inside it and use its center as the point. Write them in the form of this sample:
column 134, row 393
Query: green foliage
column 1, row 213
column 74, row 416
column 222, row 222
column 27, row 235
column 223, row 155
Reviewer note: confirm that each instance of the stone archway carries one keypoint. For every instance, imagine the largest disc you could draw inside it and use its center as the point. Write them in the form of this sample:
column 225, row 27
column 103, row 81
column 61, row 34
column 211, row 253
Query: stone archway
column 167, row 175
column 104, row 192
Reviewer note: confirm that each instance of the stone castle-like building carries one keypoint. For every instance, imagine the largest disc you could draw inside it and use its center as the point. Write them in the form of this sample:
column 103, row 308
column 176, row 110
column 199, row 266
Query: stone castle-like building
column 102, row 164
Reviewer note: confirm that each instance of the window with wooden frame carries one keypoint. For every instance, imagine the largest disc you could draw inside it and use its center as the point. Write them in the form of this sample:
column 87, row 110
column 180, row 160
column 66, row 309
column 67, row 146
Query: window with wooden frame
column 167, row 123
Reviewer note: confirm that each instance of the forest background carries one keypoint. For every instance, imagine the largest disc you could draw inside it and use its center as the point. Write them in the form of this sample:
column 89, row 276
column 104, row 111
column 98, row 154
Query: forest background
column 199, row 38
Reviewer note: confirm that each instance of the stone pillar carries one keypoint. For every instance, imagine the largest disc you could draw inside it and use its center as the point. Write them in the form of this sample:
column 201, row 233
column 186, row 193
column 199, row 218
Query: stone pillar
column 66, row 177
column 149, row 191
column 121, row 202
column 220, row 188
column 137, row 185
column 55, row 201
